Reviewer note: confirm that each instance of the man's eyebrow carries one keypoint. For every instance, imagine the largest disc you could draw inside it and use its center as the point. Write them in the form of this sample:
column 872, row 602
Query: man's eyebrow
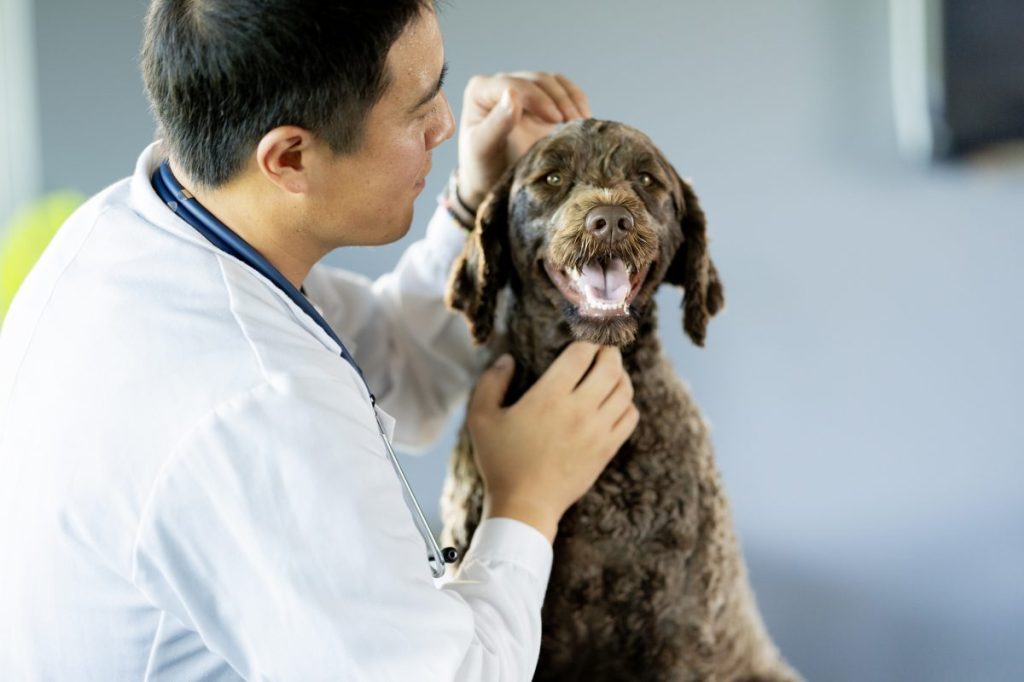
column 436, row 89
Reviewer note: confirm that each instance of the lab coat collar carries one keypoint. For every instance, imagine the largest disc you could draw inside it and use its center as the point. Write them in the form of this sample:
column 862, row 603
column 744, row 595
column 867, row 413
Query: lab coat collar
column 150, row 206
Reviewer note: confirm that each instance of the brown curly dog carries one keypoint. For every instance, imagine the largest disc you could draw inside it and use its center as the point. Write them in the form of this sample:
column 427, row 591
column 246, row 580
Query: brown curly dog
column 648, row 581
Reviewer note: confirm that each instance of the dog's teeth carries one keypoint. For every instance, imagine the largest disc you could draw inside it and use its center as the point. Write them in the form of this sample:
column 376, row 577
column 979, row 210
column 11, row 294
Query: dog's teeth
column 603, row 305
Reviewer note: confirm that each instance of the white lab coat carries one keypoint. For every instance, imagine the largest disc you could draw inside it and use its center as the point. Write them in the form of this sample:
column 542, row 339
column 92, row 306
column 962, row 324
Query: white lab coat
column 192, row 483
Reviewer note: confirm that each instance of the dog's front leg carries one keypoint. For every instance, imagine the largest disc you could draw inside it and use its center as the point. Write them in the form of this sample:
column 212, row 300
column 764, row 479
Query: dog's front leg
column 462, row 499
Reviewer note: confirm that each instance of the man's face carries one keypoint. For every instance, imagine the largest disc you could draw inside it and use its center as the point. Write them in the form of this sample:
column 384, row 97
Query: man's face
column 366, row 197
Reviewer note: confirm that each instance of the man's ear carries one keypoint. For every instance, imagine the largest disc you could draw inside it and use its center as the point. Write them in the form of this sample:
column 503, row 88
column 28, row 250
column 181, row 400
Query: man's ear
column 280, row 157
column 482, row 270
column 692, row 269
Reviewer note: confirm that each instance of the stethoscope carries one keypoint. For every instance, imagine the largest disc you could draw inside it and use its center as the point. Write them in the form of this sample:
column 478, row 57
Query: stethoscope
column 181, row 201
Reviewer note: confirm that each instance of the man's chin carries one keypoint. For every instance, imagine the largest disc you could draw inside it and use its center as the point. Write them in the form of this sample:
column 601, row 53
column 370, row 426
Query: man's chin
column 398, row 230
column 376, row 236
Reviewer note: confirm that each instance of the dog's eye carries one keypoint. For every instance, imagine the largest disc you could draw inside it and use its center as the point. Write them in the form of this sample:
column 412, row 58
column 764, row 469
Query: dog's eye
column 645, row 180
column 554, row 179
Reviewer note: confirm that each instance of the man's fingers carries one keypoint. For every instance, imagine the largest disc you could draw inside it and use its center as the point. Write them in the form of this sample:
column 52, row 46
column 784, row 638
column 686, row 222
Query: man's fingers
column 625, row 424
column 579, row 98
column 491, row 134
column 537, row 101
column 556, row 90
column 603, row 376
column 492, row 386
column 618, row 400
column 484, row 92
column 568, row 368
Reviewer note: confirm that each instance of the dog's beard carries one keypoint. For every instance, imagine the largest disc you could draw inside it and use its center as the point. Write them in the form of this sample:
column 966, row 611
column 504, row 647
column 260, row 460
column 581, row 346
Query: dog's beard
column 619, row 330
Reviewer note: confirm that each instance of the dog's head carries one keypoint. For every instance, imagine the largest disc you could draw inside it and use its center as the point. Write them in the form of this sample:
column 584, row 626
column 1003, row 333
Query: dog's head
column 589, row 222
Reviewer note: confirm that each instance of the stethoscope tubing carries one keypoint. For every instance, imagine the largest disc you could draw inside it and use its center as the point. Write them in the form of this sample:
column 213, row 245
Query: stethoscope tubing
column 185, row 206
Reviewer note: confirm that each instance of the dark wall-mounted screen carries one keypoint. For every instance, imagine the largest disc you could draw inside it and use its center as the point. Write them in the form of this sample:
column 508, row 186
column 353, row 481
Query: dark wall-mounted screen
column 981, row 95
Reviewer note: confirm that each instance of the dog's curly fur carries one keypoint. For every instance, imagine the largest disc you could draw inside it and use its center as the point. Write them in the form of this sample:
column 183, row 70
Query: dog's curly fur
column 648, row 581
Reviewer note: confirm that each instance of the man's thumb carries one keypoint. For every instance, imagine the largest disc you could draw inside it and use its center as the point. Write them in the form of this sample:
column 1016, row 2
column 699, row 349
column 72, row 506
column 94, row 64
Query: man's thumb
column 492, row 133
column 493, row 384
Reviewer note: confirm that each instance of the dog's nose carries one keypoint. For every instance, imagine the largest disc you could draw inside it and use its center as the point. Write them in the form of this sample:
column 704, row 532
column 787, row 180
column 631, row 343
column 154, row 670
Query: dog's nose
column 610, row 222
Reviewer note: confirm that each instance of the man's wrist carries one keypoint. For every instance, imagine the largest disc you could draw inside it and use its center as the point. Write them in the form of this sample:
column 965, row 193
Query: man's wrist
column 525, row 511
column 458, row 208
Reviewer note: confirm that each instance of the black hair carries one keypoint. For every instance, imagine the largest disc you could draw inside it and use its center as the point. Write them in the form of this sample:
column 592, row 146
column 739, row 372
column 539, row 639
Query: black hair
column 220, row 74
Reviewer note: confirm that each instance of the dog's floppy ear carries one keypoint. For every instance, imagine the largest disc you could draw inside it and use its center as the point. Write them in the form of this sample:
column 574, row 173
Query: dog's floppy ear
column 482, row 269
column 692, row 269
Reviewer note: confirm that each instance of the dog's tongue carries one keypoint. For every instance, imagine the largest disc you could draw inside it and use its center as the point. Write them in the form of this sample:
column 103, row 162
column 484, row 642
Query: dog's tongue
column 609, row 282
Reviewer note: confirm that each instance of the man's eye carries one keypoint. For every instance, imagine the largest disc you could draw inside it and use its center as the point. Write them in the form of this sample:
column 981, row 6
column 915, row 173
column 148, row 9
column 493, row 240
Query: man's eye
column 645, row 180
column 554, row 179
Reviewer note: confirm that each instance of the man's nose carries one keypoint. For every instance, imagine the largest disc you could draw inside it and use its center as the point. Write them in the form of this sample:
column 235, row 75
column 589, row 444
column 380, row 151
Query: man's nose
column 446, row 126
column 609, row 222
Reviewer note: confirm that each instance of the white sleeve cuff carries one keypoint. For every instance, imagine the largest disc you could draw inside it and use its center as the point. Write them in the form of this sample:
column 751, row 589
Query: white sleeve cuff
column 501, row 540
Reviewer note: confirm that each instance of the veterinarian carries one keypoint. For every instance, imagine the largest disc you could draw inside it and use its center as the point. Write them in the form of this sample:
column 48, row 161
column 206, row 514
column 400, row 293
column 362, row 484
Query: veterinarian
column 194, row 479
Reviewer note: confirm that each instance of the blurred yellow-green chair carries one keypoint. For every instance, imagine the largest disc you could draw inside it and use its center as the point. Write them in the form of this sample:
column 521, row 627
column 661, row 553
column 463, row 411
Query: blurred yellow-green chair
column 25, row 238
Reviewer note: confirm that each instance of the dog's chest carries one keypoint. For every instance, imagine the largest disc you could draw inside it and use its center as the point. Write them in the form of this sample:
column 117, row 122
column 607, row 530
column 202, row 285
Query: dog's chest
column 647, row 495
column 648, row 492
column 619, row 582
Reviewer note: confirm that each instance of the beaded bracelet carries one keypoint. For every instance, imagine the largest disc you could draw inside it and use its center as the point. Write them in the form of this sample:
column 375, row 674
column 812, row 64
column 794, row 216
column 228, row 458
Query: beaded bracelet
column 456, row 207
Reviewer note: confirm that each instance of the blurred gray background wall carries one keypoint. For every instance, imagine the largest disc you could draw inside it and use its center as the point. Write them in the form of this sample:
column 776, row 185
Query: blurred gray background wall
column 20, row 165
column 865, row 382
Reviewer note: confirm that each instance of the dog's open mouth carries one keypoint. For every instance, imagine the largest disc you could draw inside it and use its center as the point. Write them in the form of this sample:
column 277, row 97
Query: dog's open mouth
column 603, row 288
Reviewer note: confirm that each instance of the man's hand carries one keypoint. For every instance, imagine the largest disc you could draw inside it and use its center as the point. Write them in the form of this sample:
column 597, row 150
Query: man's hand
column 540, row 455
column 502, row 116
